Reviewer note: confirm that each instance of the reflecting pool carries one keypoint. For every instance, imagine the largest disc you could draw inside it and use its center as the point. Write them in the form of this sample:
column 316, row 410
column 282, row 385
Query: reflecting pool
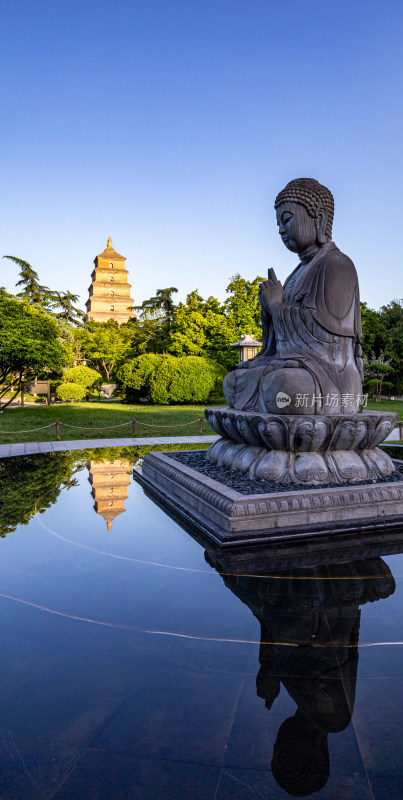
column 138, row 664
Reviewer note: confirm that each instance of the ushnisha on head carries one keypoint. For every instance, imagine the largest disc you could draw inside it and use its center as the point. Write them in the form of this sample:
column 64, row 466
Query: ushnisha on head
column 305, row 211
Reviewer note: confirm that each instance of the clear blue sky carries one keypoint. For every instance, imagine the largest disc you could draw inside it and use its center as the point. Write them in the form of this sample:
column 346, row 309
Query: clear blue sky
column 171, row 125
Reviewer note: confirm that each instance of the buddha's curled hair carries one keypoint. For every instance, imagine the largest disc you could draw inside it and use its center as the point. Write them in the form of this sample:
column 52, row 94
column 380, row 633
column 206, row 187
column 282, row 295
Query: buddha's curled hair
column 310, row 194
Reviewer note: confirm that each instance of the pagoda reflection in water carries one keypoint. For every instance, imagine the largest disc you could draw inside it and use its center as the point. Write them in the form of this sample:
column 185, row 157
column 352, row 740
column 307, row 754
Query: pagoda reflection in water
column 109, row 481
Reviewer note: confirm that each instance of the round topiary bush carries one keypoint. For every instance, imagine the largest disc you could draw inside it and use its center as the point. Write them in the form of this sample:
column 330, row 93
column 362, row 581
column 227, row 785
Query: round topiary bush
column 70, row 392
column 166, row 379
column 83, row 376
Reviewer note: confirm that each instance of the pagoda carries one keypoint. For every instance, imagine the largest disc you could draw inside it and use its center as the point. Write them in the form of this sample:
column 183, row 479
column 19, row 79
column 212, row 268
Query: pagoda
column 109, row 481
column 109, row 293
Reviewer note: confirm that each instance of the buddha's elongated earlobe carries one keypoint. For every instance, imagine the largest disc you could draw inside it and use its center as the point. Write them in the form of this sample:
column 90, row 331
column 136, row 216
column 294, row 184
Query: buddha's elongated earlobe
column 320, row 225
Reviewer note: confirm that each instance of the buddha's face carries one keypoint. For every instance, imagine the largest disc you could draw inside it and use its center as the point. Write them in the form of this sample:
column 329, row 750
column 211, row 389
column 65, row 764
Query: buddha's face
column 296, row 228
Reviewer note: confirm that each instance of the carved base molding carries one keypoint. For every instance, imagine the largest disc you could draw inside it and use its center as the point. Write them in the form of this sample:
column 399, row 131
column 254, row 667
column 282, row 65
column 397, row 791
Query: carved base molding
column 229, row 518
column 334, row 466
column 311, row 449
column 305, row 433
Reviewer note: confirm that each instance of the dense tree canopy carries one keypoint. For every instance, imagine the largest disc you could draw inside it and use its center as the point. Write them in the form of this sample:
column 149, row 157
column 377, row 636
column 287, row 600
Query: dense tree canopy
column 382, row 341
column 207, row 327
column 200, row 327
column 61, row 304
column 376, row 374
column 392, row 338
column 371, row 330
column 43, row 477
column 197, row 327
column 161, row 305
column 29, row 344
column 103, row 345
column 243, row 307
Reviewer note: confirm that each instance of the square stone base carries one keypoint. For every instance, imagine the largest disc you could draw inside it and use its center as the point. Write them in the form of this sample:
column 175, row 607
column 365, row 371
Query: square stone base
column 229, row 518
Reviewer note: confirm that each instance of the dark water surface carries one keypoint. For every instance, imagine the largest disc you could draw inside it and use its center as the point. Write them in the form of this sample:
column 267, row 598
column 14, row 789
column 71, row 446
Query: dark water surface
column 136, row 664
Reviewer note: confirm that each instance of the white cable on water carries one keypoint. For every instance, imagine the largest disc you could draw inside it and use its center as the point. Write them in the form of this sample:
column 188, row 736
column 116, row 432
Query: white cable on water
column 121, row 558
column 198, row 637
column 211, row 571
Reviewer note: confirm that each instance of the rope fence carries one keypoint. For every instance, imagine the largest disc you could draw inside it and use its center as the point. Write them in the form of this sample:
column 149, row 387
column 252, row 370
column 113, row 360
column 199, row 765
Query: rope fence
column 134, row 422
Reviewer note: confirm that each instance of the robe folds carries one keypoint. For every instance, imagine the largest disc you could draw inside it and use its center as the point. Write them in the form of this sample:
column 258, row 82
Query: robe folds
column 316, row 328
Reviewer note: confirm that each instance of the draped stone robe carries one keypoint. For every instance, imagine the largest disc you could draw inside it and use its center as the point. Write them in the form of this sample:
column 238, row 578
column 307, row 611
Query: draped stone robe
column 317, row 328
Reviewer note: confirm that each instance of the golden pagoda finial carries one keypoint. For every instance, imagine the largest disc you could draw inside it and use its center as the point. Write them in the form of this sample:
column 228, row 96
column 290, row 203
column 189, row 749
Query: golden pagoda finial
column 109, row 525
column 109, row 242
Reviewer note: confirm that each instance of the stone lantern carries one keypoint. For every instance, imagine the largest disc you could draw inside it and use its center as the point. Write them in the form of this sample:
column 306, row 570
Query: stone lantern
column 247, row 347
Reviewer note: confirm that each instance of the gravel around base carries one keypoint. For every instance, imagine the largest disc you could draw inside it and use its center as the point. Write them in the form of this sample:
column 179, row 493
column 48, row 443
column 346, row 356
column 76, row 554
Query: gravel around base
column 240, row 483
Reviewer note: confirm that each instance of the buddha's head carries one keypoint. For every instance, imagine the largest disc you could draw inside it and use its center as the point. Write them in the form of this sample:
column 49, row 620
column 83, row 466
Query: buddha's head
column 304, row 210
column 300, row 763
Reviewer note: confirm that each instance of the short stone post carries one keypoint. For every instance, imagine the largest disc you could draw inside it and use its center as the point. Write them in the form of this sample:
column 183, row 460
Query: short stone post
column 134, row 426
column 58, row 430
column 201, row 426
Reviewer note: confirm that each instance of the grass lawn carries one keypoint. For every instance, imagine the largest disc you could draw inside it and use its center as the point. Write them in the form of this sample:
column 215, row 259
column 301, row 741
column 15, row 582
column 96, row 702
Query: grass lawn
column 89, row 419
column 387, row 405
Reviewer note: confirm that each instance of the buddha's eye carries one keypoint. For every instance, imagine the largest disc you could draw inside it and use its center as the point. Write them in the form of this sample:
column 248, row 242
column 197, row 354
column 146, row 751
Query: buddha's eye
column 286, row 218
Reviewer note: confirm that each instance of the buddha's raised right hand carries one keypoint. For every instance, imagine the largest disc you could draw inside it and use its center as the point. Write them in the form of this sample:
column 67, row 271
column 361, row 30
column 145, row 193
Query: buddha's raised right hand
column 270, row 292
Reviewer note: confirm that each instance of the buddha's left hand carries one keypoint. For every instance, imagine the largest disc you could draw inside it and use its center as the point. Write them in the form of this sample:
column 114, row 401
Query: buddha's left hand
column 270, row 292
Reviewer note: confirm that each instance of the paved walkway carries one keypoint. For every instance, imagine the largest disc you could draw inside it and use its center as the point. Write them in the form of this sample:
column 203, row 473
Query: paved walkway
column 394, row 436
column 30, row 448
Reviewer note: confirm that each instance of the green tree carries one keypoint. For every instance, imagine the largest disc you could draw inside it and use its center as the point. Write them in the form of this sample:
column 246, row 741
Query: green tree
column 104, row 345
column 29, row 343
column 61, row 304
column 242, row 307
column 377, row 372
column 372, row 338
column 160, row 305
column 199, row 329
column 187, row 334
column 33, row 291
column 68, row 312
column 391, row 317
column 144, row 336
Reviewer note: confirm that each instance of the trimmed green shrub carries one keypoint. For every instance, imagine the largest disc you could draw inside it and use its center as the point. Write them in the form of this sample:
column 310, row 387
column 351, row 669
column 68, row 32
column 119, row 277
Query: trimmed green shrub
column 70, row 391
column 133, row 377
column 83, row 376
column 165, row 379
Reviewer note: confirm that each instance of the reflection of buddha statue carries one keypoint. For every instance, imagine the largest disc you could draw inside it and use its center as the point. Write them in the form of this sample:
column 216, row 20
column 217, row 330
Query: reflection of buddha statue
column 310, row 620
column 312, row 325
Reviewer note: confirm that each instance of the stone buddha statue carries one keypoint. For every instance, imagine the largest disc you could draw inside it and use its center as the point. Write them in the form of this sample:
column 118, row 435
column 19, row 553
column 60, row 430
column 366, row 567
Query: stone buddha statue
column 310, row 362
